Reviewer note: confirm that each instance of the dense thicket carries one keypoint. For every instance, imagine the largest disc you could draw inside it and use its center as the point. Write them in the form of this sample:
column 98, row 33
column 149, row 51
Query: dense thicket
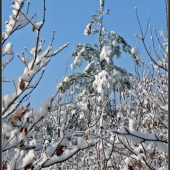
column 102, row 118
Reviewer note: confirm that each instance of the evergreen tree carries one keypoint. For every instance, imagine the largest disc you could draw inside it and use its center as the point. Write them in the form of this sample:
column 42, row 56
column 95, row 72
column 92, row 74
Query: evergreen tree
column 101, row 77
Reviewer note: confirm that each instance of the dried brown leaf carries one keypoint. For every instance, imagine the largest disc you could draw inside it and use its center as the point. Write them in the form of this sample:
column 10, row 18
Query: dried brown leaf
column 152, row 154
column 28, row 119
column 14, row 118
column 27, row 166
column 147, row 124
column 7, row 137
column 4, row 165
column 20, row 114
column 155, row 124
column 21, row 129
column 140, row 151
column 25, row 131
column 130, row 167
column 59, row 151
column 41, row 119
column 158, row 122
column 22, row 85
column 33, row 29
column 160, row 159
column 139, row 164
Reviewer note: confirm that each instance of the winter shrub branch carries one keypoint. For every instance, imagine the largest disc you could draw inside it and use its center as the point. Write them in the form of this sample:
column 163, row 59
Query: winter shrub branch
column 101, row 118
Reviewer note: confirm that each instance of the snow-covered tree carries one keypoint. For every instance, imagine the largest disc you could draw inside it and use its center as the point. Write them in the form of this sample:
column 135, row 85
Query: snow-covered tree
column 25, row 134
column 92, row 96
column 101, row 78
column 142, row 123
column 21, row 149
column 127, row 114
column 102, row 118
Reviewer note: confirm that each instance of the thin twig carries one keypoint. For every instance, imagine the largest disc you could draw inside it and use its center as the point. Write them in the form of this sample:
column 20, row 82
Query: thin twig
column 28, row 6
column 22, row 60
column 147, row 26
column 154, row 46
column 139, row 24
column 160, row 42
column 145, row 45
column 14, row 85
column 35, row 56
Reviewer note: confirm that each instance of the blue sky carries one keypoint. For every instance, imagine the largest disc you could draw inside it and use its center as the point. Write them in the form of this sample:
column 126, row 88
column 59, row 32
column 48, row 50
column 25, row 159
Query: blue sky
column 69, row 19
